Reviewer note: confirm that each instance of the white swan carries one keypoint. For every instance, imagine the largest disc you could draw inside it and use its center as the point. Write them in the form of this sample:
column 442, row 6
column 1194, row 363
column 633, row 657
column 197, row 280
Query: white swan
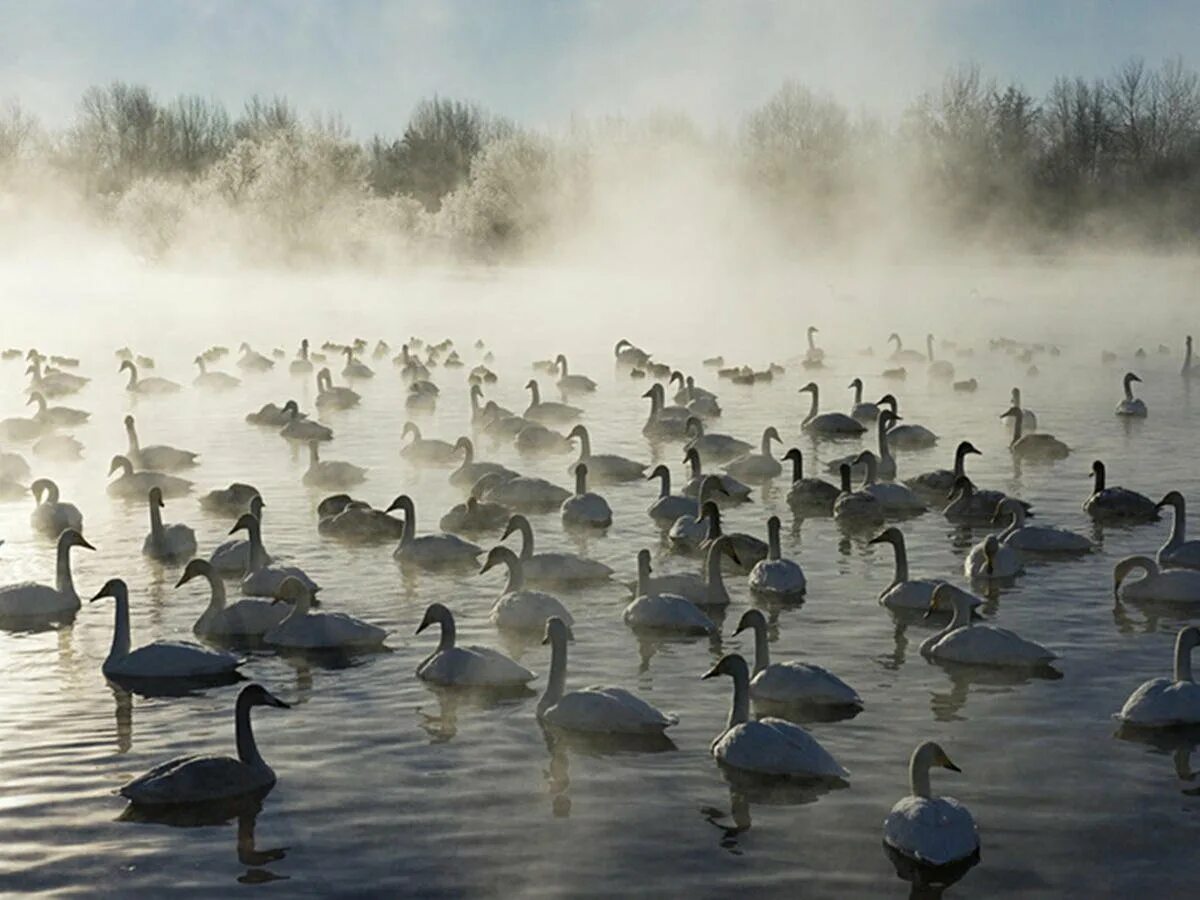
column 330, row 396
column 51, row 516
column 990, row 560
column 705, row 589
column 483, row 415
column 687, row 531
column 344, row 518
column 523, row 493
column 734, row 490
column 475, row 515
column 696, row 400
column 747, row 550
column 808, row 495
column 604, row 467
column 430, row 551
column 135, row 485
column 664, row 422
column 554, row 569
column 911, row 594
column 1164, row 585
column 720, row 447
column 29, row 600
column 1178, row 551
column 162, row 659
column 1037, row 538
column 969, row 505
column 834, row 424
column 153, row 385
column 896, row 499
column 53, row 383
column 548, row 412
column 776, row 576
column 263, row 577
column 1028, row 417
column 333, row 474
column 791, row 683
column 885, row 463
column 306, row 630
column 1168, row 702
column 668, row 507
column 467, row 474
column 56, row 416
column 767, row 746
column 355, row 368
column 1037, row 446
column 961, row 641
column 814, row 356
column 864, row 412
column 233, row 500
column 468, row 667
column 902, row 355
column 518, row 608
column 167, row 543
column 245, row 618
column 20, row 429
column 585, row 509
column 156, row 458
column 208, row 779
column 906, row 437
column 938, row 368
column 301, row 428
column 596, row 709
column 253, row 361
column 568, row 383
column 213, row 381
column 755, row 468
column 856, row 508
column 59, row 447
column 13, row 467
column 933, row 831
column 302, row 365
column 426, row 451
column 233, row 557
column 653, row 610
column 1131, row 406
column 272, row 416
column 1116, row 504
column 535, row 439
column 940, row 482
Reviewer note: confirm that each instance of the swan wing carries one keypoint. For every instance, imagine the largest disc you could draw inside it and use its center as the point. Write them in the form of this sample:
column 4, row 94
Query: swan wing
column 934, row 831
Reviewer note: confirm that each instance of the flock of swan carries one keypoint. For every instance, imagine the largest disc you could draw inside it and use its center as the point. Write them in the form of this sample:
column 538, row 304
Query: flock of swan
column 275, row 605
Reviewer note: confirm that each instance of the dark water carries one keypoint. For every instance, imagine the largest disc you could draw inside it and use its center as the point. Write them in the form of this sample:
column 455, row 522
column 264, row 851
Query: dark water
column 388, row 786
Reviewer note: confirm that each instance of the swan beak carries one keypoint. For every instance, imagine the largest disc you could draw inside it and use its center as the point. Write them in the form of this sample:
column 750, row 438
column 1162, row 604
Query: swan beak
column 82, row 542
column 951, row 766
column 183, row 579
column 272, row 700
column 711, row 673
column 98, row 596
column 425, row 624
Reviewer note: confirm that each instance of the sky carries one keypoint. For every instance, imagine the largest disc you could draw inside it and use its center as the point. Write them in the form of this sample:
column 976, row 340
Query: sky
column 542, row 62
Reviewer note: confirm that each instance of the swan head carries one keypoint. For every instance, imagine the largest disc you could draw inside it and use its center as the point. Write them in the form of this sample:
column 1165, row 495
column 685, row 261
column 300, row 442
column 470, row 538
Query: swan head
column 751, row 619
column 129, row 423
column 196, row 568
column 812, row 329
column 808, row 388
column 292, row 408
column 932, row 754
column 557, row 631
column 1007, row 508
column 120, row 462
column 691, row 455
column 579, row 431
column 676, row 375
column 245, row 522
column 292, row 590
column 156, row 497
column 1010, row 412
column 888, row 536
column 36, row 397
column 410, row 428
column 855, row 384
column 1130, row 377
column 865, row 458
column 693, row 425
column 1097, row 468
column 1131, row 564
column 516, row 522
column 890, row 400
column 531, row 384
column 794, row 453
column 940, row 599
column 1187, row 639
column 127, row 366
column 991, row 545
column 660, row 471
column 114, row 588
column 333, row 504
column 772, row 433
column 498, row 556
column 1171, row 498
column 464, row 443
column 257, row 695
column 711, row 512
column 72, row 538
column 403, row 502
column 894, row 337
column 621, row 345
column 966, row 447
column 731, row 664
column 40, row 486
column 435, row 614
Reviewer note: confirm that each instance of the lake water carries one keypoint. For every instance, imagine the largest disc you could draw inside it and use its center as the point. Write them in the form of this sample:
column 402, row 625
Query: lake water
column 389, row 787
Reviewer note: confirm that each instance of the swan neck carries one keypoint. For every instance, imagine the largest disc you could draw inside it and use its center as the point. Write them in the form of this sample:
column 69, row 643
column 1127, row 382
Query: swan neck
column 901, row 570
column 135, row 447
column 1098, row 486
column 960, row 457
column 1018, row 519
column 121, row 640
column 258, row 555
column 766, row 445
column 858, row 388
column 580, row 481
column 156, row 524
column 885, row 450
column 516, row 574
column 446, row 642
column 797, row 468
column 1018, row 425
column 536, row 394
column 713, row 578
column 247, row 749
column 664, row 483
column 739, row 711
column 918, row 776
column 557, row 680
column 526, row 538
column 773, row 549
column 216, row 599
column 62, row 570
column 585, row 445
column 812, row 408
column 1183, row 659
column 762, row 648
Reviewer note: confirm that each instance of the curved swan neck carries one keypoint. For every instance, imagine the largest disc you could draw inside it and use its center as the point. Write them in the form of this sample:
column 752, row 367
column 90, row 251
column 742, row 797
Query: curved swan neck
column 526, row 530
column 797, row 468
column 557, row 679
column 516, row 573
column 712, row 572
column 535, row 394
column 918, row 774
column 121, row 639
column 901, row 570
column 585, row 444
column 1018, row 520
column 766, row 444
column 216, row 598
column 133, row 376
column 1183, row 656
column 446, row 641
column 960, row 458
column 258, row 555
column 134, row 446
column 664, row 475
column 739, row 710
column 156, row 523
column 762, row 647
column 812, row 409
column 1128, row 380
column 885, row 451
column 247, row 749
column 62, row 569
column 580, row 480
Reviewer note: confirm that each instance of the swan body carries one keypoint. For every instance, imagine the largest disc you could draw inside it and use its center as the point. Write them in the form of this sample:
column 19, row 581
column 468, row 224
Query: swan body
column 856, row 508
column 584, row 509
column 467, row 474
column 301, row 428
column 990, row 560
column 808, row 495
column 210, row 779
column 1161, row 585
column 668, row 507
column 885, row 463
column 707, row 589
column 721, row 447
column 332, row 474
column 961, row 641
column 1038, row 538
column 775, row 576
column 355, row 368
column 548, row 412
column 664, row 422
column 60, row 447
column 596, row 709
column 971, row 506
column 213, row 381
column 1178, row 551
column 430, row 551
column 834, row 425
column 331, row 396
column 662, row 612
column 56, row 416
column 525, row 493
column 29, row 600
column 53, row 383
column 895, row 499
column 906, row 437
column 732, row 490
column 469, row 667
column 745, row 549
column 940, row 482
column 554, row 569
column 167, row 543
column 902, row 355
column 1168, row 702
column 932, row 831
column 1037, row 446
column 306, row 630
column 51, row 516
column 688, row 531
column 347, row 519
column 604, row 467
column 1131, row 406
column 863, row 412
column 571, row 384
column 273, row 416
column 233, row 500
column 426, row 451
column 755, row 468
column 518, row 608
column 767, row 746
column 302, row 365
column 938, row 368
column 1117, row 504
column 791, row 683
column 253, row 361
column 157, row 458
column 152, row 385
column 906, row 594
column 221, row 620
column 13, row 467
column 262, row 579
column 131, row 484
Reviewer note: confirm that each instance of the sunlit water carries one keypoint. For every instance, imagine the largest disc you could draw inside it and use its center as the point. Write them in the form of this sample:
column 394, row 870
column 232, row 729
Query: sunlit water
column 388, row 786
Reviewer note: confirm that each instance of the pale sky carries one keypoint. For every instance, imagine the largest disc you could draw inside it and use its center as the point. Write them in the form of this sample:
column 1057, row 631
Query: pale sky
column 541, row 61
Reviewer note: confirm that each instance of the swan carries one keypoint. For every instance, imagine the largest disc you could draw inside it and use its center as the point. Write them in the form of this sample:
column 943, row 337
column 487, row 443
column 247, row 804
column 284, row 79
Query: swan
column 51, row 516
column 131, row 484
column 500, row 426
column 333, row 474
column 707, row 589
column 548, row 412
column 747, row 550
column 657, row 610
column 152, row 385
column 961, row 641
column 911, row 594
column 534, row 438
column 355, row 368
column 1168, row 702
column 856, row 508
column 808, row 495
column 668, row 507
column 971, row 506
column 300, row 428
column 21, row 429
column 775, row 576
column 330, row 396
column 213, row 381
column 273, row 416
column 791, row 683
column 734, row 490
column 668, row 422
column 53, row 383
column 253, row 361
column 864, row 412
column 990, row 560
column 302, row 365
column 156, row 458
column 767, row 746
column 1165, row 585
column 233, row 500
column 1117, row 504
column 264, row 577
column 902, row 355
column 13, row 467
column 932, row 831
column 519, row 608
column 906, row 437
column 426, row 451
column 604, row 467
column 161, row 659
column 61, row 447
column 523, row 493
column 756, row 468
column 834, row 424
column 1036, row 538
column 585, row 509
column 885, row 463
column 347, row 519
column 467, row 474
column 1188, row 370
column 940, row 482
column 1029, row 420
column 485, row 415
column 629, row 355
column 896, row 499
column 56, row 416
column 814, row 356
column 234, row 557
column 597, row 709
column 430, row 551
column 469, row 667
column 1178, row 551
column 476, row 515
column 555, row 569
column 687, row 531
column 167, row 543
column 697, row 400
column 571, row 383
column 307, row 630
column 1037, row 446
column 210, row 779
column 938, row 368
column 28, row 599
column 721, row 447
column 1131, row 406
column 246, row 618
